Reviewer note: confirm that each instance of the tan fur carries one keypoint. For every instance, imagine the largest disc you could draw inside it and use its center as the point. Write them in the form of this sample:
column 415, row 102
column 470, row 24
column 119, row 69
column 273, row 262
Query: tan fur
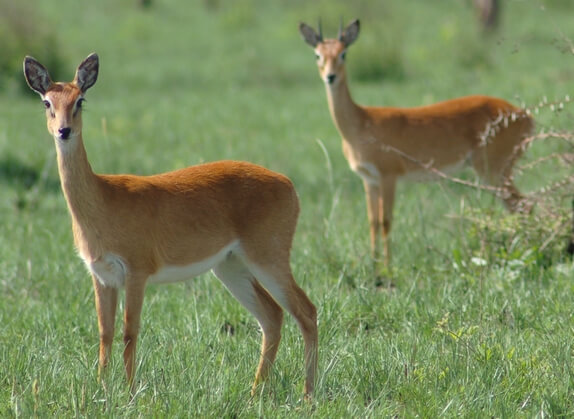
column 383, row 144
column 234, row 217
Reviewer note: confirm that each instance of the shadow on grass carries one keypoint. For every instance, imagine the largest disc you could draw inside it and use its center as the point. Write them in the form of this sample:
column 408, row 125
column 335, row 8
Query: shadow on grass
column 28, row 181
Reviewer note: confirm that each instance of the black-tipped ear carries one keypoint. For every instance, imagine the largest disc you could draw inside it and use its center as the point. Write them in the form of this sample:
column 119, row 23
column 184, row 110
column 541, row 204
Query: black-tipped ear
column 309, row 34
column 36, row 76
column 351, row 33
column 87, row 72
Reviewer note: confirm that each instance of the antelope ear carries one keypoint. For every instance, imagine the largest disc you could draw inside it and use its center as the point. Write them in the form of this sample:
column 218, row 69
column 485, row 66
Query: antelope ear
column 351, row 33
column 309, row 34
column 36, row 76
column 87, row 72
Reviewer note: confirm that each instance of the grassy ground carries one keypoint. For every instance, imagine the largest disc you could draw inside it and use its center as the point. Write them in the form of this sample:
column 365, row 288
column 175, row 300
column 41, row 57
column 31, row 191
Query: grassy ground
column 480, row 323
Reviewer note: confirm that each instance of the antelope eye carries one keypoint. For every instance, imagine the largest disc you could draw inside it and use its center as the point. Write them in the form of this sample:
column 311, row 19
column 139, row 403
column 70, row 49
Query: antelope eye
column 46, row 104
column 343, row 55
column 80, row 102
column 317, row 57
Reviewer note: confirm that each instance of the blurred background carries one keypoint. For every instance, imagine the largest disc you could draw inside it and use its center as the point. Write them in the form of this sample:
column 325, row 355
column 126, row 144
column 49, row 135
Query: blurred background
column 478, row 293
column 185, row 82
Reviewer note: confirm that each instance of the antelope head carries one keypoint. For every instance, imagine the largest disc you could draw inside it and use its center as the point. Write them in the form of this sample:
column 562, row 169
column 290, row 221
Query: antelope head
column 330, row 53
column 63, row 101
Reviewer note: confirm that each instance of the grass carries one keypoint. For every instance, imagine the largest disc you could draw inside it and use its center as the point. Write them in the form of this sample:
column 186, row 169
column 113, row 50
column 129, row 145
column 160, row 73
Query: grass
column 480, row 323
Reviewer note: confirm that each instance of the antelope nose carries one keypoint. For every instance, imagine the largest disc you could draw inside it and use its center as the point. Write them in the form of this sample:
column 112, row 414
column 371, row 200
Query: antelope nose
column 331, row 78
column 64, row 133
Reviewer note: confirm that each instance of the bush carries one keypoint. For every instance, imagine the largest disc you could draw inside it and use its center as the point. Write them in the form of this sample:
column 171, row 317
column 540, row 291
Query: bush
column 21, row 34
column 542, row 238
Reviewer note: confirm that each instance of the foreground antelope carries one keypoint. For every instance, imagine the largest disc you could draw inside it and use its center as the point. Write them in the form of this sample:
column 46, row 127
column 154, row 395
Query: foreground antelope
column 383, row 144
column 233, row 217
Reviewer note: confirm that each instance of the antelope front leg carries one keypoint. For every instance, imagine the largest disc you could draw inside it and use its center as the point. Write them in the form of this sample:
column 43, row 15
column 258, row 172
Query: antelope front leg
column 134, row 301
column 388, row 186
column 106, row 303
column 372, row 192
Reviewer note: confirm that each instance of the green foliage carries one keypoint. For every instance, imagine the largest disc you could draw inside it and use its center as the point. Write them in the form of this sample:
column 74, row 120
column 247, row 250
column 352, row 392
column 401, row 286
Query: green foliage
column 379, row 54
column 520, row 242
column 23, row 32
column 479, row 323
column 557, row 4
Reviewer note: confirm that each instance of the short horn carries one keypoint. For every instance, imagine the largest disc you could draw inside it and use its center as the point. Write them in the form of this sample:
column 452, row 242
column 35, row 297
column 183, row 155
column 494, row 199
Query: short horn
column 320, row 30
column 340, row 34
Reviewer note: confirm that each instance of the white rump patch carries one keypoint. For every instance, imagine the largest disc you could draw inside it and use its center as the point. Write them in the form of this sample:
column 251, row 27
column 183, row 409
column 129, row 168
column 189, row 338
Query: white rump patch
column 270, row 283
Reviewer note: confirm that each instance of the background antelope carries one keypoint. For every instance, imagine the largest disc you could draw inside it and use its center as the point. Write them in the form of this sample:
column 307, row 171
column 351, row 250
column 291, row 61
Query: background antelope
column 488, row 13
column 383, row 144
column 235, row 218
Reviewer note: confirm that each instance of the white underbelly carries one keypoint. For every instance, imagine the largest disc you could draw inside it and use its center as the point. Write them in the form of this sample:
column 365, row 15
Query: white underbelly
column 176, row 273
column 426, row 175
column 111, row 270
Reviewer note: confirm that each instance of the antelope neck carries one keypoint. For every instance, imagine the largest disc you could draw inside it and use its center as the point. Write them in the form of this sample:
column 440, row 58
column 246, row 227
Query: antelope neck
column 79, row 183
column 344, row 111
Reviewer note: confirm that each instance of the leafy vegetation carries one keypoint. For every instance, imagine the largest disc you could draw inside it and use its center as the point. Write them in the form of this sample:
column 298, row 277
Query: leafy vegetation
column 480, row 321
column 22, row 31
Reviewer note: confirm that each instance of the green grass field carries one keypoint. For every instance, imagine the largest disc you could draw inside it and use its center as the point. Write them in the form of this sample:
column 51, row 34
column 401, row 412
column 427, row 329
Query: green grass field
column 480, row 322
